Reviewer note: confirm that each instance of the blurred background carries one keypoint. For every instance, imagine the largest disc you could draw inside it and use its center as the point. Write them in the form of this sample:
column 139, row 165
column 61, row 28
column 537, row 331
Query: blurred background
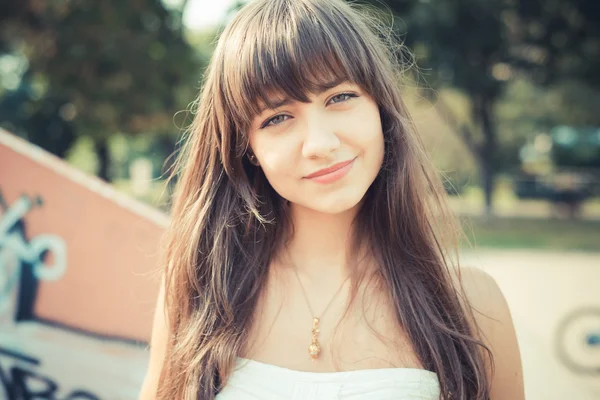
column 94, row 96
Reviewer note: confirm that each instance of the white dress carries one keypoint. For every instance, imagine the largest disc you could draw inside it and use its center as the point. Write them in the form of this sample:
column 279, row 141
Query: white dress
column 253, row 380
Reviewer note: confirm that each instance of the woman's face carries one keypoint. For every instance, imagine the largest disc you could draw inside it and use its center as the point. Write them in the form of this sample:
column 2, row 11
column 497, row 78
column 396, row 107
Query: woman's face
column 296, row 140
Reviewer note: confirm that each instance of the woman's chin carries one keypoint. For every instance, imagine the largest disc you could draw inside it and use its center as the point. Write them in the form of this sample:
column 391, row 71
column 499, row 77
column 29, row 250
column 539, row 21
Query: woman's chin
column 332, row 205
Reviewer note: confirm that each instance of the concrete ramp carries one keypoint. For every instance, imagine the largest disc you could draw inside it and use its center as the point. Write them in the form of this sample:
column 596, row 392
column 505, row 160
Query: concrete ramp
column 78, row 280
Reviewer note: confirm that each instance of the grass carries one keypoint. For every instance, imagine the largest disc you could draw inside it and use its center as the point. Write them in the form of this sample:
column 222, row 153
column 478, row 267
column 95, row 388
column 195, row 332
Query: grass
column 533, row 233
column 526, row 224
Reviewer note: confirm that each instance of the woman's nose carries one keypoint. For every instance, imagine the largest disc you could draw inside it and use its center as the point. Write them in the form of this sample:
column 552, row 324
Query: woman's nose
column 320, row 139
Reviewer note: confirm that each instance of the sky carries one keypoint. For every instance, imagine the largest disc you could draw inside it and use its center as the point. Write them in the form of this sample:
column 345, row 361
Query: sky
column 203, row 13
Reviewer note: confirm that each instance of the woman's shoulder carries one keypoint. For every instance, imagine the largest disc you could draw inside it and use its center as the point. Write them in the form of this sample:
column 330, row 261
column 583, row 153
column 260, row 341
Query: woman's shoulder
column 478, row 287
column 490, row 314
column 482, row 299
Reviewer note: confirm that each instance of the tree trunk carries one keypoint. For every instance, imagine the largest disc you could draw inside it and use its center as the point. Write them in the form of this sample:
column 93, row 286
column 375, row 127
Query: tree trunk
column 488, row 176
column 483, row 151
column 103, row 154
column 487, row 157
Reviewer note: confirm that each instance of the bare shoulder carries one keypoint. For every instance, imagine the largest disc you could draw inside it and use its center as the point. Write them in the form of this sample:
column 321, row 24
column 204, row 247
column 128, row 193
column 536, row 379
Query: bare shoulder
column 480, row 289
column 492, row 320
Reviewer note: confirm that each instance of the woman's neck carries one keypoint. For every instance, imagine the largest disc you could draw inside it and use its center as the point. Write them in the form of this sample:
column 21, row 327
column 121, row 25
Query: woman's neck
column 321, row 243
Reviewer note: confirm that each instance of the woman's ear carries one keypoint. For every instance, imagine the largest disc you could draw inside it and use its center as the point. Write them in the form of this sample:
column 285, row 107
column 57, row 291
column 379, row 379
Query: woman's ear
column 252, row 158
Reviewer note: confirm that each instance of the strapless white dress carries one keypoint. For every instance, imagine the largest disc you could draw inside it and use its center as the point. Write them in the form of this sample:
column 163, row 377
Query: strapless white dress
column 253, row 380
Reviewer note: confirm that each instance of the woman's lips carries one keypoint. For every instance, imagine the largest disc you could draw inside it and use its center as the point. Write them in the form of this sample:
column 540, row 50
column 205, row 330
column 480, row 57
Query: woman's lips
column 333, row 173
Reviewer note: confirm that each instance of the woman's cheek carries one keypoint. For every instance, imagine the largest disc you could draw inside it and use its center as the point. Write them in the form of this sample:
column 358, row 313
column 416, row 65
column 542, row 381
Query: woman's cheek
column 278, row 164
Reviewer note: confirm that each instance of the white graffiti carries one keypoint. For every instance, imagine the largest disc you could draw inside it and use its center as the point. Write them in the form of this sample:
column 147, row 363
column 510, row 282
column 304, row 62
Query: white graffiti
column 15, row 250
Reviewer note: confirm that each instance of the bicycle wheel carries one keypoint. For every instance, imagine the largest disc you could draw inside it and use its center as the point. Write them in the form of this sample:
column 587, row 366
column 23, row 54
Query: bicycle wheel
column 578, row 341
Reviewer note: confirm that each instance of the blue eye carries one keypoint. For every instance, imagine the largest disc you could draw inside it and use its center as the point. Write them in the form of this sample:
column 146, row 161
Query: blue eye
column 275, row 120
column 342, row 97
column 278, row 119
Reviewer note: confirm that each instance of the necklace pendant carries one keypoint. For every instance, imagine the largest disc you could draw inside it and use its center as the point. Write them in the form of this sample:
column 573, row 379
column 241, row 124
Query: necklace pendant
column 314, row 349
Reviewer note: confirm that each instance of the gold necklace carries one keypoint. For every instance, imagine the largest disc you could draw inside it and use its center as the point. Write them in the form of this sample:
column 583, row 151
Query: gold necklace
column 314, row 349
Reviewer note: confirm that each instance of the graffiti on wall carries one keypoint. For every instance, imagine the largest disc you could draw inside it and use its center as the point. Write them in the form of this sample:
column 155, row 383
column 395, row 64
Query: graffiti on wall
column 24, row 262
column 77, row 292
column 20, row 380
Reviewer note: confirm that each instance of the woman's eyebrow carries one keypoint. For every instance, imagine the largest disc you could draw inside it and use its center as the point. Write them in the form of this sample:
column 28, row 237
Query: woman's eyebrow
column 273, row 104
column 325, row 86
column 320, row 88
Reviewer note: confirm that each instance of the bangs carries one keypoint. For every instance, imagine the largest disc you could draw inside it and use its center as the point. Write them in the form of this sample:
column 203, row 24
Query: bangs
column 288, row 51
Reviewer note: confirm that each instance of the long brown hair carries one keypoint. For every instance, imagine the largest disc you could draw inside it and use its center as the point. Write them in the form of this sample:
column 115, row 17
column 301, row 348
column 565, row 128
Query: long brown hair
column 228, row 223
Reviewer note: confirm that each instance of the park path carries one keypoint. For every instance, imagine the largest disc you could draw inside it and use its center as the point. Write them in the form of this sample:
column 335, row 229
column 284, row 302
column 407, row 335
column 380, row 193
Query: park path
column 542, row 288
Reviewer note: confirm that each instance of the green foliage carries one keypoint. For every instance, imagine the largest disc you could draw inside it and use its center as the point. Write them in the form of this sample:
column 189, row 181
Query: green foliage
column 101, row 67
column 82, row 155
column 118, row 63
column 557, row 39
column 486, row 49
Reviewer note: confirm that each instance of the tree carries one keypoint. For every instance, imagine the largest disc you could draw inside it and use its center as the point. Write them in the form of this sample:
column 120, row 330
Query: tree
column 117, row 66
column 477, row 46
column 557, row 39
column 463, row 44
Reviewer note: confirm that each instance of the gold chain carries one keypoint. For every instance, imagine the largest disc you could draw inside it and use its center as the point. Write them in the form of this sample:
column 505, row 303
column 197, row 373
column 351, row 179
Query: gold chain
column 314, row 349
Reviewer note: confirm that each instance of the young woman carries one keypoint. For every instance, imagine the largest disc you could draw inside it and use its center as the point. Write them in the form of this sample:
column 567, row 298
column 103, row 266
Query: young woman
column 311, row 253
